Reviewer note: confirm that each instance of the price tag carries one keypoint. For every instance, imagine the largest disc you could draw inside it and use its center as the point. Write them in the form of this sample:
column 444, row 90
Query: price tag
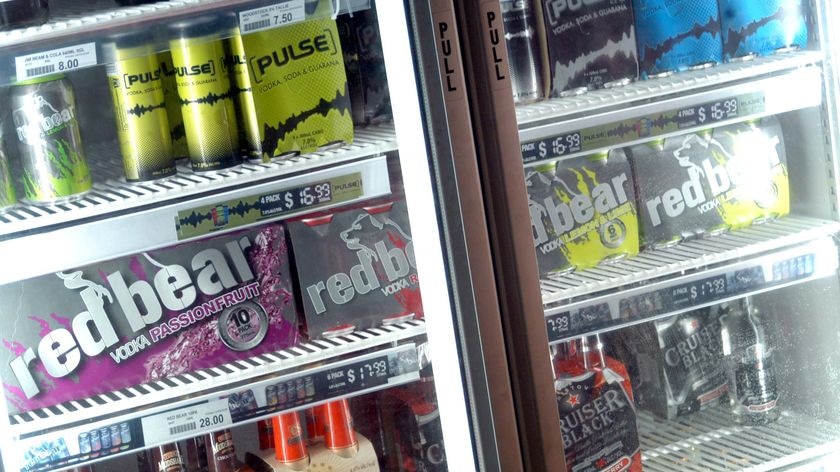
column 55, row 61
column 248, row 210
column 620, row 132
column 272, row 16
column 187, row 421
column 552, row 148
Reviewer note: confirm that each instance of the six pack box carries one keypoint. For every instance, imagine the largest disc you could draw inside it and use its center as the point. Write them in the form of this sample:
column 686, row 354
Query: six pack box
column 761, row 28
column 583, row 211
column 590, row 44
column 299, row 84
column 675, row 35
column 676, row 364
column 123, row 322
column 703, row 183
column 356, row 269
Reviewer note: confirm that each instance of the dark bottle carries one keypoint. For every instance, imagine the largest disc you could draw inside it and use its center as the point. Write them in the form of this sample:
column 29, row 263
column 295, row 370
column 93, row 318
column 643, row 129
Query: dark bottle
column 752, row 374
column 20, row 13
column 167, row 458
column 221, row 453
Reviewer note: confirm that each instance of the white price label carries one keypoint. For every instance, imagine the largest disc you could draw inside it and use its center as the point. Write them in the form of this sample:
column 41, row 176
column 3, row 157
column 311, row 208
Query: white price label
column 55, row 61
column 187, row 421
column 272, row 16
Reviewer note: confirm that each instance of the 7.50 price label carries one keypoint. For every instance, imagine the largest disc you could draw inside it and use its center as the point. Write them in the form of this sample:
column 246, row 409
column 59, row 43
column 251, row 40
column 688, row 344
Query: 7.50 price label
column 272, row 16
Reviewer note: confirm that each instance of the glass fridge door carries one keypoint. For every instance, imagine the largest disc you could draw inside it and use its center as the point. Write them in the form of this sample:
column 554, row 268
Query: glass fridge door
column 221, row 243
column 680, row 168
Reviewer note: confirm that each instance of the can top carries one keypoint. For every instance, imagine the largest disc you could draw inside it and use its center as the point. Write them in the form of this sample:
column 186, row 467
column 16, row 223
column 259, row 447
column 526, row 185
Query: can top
column 39, row 80
column 125, row 40
column 203, row 26
column 549, row 166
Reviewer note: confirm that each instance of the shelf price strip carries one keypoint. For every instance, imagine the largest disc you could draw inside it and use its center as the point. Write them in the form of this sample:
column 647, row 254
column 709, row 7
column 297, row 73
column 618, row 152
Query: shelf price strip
column 73, row 446
column 231, row 214
column 617, row 133
column 567, row 324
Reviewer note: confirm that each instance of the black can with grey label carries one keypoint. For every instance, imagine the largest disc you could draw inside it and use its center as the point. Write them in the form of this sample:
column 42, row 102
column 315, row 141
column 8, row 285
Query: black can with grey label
column 591, row 44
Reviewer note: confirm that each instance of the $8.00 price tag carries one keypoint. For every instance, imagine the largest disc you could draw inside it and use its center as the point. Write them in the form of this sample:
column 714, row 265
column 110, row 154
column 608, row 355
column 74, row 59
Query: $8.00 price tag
column 272, row 16
column 55, row 61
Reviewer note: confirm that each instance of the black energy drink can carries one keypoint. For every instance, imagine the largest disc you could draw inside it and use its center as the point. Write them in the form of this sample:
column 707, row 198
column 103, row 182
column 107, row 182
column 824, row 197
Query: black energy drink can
column 677, row 35
column 523, row 46
column 760, row 28
column 139, row 107
column 591, row 44
column 177, row 133
column 48, row 140
column 236, row 65
column 205, row 92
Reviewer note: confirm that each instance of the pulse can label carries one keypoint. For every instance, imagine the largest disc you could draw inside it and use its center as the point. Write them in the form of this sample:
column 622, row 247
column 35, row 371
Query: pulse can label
column 524, row 52
column 675, row 35
column 235, row 64
column 145, row 317
column 585, row 213
column 360, row 268
column 300, row 85
column 698, row 184
column 177, row 133
column 140, row 110
column 48, row 140
column 761, row 28
column 205, row 92
column 591, row 43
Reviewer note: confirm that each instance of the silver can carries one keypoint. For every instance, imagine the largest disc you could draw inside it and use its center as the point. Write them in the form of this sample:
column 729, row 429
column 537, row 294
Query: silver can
column 48, row 140
column 523, row 47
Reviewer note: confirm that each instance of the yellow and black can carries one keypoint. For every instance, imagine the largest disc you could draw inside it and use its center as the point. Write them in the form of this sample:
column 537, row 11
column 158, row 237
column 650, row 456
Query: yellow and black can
column 139, row 107
column 236, row 66
column 173, row 105
column 205, row 92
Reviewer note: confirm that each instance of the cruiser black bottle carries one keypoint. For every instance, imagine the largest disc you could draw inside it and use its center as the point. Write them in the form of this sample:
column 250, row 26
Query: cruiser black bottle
column 752, row 373
column 20, row 13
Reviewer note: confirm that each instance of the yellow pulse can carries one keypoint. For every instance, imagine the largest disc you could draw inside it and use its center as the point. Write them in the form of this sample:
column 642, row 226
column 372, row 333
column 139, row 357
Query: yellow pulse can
column 300, row 86
column 205, row 93
column 139, row 107
column 235, row 65
column 173, row 106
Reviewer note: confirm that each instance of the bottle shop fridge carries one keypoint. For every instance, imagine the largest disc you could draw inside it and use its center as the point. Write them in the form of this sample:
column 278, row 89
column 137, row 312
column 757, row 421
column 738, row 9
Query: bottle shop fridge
column 661, row 178
column 225, row 244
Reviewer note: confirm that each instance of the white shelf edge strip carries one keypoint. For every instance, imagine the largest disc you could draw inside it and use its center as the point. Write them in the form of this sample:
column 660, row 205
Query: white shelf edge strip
column 678, row 83
column 197, row 382
column 655, row 264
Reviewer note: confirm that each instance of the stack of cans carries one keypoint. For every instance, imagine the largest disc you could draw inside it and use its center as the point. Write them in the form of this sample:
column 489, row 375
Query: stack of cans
column 558, row 48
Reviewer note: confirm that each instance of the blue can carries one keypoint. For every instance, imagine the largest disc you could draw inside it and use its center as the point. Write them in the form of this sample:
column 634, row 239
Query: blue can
column 676, row 35
column 752, row 28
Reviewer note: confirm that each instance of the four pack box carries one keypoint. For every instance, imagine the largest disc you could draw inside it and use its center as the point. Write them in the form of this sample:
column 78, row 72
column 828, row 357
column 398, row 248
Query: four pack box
column 106, row 326
column 703, row 183
column 356, row 269
column 583, row 211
